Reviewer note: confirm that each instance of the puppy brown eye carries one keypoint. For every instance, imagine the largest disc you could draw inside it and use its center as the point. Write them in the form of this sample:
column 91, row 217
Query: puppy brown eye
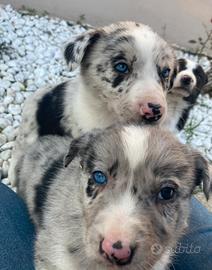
column 166, row 193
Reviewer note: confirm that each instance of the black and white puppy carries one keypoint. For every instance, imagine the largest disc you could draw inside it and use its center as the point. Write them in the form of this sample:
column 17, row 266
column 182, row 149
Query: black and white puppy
column 187, row 85
column 125, row 72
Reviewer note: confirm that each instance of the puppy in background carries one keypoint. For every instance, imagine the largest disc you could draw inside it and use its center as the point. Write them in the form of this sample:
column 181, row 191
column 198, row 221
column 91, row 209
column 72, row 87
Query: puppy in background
column 125, row 73
column 188, row 81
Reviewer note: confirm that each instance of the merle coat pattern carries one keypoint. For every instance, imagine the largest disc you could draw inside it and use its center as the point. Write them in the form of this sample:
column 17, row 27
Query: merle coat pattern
column 101, row 96
column 145, row 201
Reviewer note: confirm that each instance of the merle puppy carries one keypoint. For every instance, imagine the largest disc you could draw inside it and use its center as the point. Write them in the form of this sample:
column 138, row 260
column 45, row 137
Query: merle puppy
column 187, row 85
column 109, row 202
column 125, row 71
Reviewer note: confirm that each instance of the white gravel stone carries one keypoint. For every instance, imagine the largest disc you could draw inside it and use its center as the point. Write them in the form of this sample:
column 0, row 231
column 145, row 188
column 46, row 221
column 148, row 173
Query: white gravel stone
column 14, row 109
column 9, row 132
column 17, row 86
column 2, row 108
column 4, row 123
column 19, row 98
column 2, row 91
column 7, row 146
column 5, row 155
column 3, row 67
column 8, row 100
column 5, row 84
column 3, row 139
column 16, row 124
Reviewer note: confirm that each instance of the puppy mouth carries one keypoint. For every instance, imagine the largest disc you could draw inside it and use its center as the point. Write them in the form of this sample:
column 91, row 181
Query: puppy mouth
column 115, row 261
column 152, row 119
column 183, row 90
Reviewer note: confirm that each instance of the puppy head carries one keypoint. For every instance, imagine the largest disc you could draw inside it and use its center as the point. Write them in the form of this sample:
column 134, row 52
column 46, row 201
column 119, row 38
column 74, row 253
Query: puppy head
column 127, row 66
column 190, row 78
column 137, row 183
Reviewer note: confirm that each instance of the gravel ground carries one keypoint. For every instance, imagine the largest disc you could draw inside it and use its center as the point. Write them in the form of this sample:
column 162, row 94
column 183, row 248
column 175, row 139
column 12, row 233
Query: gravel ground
column 31, row 57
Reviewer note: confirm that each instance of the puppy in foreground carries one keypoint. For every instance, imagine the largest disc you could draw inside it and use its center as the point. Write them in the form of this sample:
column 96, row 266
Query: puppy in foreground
column 107, row 203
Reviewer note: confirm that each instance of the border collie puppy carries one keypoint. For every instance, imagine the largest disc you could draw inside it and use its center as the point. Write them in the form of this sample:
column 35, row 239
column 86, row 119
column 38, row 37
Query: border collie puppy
column 125, row 72
column 121, row 201
column 187, row 85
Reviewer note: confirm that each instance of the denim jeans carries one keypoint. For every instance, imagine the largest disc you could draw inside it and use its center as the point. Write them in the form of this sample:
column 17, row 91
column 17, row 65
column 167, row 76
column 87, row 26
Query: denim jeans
column 17, row 235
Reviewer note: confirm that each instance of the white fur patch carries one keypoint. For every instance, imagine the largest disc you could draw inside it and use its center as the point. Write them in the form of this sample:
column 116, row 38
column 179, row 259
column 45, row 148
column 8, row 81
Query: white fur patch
column 120, row 212
column 186, row 72
column 146, row 41
column 163, row 262
column 135, row 141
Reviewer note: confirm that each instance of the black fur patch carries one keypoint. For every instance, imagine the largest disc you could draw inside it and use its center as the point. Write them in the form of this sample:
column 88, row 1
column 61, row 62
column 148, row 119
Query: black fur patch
column 73, row 151
column 69, row 53
column 173, row 76
column 134, row 190
column 201, row 77
column 182, row 64
column 90, row 188
column 119, row 79
column 200, row 170
column 41, row 190
column 94, row 38
column 50, row 112
column 183, row 118
column 191, row 100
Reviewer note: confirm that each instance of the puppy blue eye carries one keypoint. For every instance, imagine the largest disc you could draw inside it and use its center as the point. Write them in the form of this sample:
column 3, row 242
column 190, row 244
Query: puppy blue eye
column 165, row 72
column 99, row 178
column 122, row 68
column 166, row 193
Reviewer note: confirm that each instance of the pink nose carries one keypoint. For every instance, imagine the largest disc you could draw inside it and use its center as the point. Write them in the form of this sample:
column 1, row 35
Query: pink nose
column 117, row 252
column 151, row 111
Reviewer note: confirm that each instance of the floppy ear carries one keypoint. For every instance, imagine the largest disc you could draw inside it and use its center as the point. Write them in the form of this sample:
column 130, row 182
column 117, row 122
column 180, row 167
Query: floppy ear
column 203, row 174
column 76, row 50
column 81, row 145
column 173, row 76
column 73, row 151
column 205, row 79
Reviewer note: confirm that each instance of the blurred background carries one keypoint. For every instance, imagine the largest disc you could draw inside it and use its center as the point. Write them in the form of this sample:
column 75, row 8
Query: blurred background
column 185, row 22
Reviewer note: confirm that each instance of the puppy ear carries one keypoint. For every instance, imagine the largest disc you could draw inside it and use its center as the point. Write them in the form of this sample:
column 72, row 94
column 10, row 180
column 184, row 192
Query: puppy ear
column 206, row 78
column 81, row 145
column 173, row 76
column 76, row 50
column 73, row 151
column 203, row 174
